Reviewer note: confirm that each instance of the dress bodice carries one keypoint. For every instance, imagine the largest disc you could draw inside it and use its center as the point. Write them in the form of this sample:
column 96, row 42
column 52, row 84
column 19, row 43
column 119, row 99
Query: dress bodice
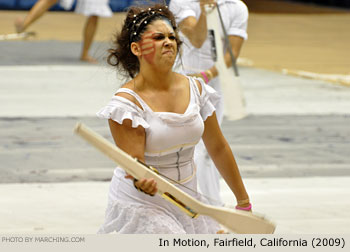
column 170, row 137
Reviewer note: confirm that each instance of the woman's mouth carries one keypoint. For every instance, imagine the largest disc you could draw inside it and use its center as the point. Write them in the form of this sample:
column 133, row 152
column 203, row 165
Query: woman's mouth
column 168, row 52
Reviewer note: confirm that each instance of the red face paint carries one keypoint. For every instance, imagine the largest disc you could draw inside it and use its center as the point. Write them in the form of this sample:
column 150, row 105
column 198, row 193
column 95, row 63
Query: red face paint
column 148, row 47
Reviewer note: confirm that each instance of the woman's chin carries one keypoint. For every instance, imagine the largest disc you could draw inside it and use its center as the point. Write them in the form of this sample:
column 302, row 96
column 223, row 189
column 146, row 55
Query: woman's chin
column 166, row 64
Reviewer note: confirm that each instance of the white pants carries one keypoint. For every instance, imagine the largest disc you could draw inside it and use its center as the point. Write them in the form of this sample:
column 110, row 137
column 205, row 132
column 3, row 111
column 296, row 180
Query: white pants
column 88, row 8
column 208, row 176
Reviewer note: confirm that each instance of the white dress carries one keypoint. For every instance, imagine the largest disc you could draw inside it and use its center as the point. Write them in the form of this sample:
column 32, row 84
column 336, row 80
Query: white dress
column 170, row 142
column 98, row 8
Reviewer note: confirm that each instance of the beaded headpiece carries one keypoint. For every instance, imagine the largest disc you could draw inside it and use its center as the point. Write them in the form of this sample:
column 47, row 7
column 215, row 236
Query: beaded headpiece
column 141, row 20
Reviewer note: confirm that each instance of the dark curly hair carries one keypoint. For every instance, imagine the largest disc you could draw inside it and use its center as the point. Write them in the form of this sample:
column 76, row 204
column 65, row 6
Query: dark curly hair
column 136, row 22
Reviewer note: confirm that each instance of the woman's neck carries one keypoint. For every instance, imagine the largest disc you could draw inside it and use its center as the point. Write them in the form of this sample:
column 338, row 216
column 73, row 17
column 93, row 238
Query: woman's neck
column 154, row 79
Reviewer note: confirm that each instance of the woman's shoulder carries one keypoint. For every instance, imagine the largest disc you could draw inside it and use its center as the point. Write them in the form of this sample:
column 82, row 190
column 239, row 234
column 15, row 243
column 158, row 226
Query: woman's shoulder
column 127, row 91
column 192, row 81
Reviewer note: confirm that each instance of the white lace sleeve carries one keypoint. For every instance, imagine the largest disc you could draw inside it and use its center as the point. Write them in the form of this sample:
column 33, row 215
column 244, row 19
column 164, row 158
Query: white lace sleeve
column 209, row 98
column 119, row 109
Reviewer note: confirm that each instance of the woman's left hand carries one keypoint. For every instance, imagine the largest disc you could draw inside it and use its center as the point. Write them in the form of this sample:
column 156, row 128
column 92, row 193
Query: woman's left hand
column 244, row 207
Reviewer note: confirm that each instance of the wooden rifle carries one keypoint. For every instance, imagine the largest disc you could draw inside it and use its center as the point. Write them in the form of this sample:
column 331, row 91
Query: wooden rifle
column 235, row 220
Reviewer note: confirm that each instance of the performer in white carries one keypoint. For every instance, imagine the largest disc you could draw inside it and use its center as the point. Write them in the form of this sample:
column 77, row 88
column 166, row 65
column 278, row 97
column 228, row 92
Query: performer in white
column 197, row 59
column 92, row 9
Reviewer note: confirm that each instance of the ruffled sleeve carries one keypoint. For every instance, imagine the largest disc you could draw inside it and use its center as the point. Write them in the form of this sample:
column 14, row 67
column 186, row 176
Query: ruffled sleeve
column 119, row 109
column 208, row 99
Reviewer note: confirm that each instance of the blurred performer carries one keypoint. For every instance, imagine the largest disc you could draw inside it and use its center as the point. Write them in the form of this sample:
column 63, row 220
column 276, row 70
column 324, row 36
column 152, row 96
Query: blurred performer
column 196, row 59
column 92, row 9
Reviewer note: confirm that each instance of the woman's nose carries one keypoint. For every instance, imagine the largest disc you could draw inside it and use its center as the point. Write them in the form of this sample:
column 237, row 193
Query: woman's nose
column 168, row 41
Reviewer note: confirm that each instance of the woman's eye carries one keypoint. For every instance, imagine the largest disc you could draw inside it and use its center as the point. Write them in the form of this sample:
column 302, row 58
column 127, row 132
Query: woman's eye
column 160, row 37
column 172, row 37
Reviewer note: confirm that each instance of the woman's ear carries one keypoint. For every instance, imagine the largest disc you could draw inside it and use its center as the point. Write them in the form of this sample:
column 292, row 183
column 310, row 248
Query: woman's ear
column 135, row 49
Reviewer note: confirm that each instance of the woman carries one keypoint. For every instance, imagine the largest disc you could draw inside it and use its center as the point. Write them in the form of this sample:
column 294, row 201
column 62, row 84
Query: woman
column 158, row 117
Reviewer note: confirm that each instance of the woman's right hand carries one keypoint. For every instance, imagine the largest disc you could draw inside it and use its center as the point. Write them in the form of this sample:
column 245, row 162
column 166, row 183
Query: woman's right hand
column 148, row 186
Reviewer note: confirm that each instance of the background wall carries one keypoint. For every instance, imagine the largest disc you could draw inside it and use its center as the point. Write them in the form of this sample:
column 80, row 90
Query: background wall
column 116, row 5
column 335, row 3
column 121, row 5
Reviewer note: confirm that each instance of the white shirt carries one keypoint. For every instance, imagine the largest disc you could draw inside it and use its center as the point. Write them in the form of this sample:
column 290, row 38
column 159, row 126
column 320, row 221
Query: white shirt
column 235, row 17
